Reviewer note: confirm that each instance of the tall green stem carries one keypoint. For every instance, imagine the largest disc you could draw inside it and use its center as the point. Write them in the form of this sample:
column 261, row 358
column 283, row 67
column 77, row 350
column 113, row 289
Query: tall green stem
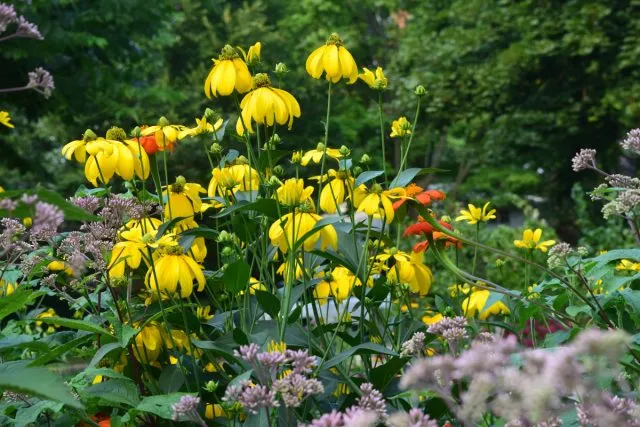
column 384, row 156
column 326, row 140
column 413, row 132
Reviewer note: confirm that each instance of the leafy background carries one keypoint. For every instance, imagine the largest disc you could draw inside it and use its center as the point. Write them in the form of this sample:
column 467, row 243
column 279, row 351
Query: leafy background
column 515, row 88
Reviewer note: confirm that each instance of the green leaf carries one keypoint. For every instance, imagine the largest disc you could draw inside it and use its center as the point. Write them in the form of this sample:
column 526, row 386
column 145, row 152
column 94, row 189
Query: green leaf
column 316, row 228
column 160, row 405
column 204, row 232
column 216, row 349
column 29, row 415
column 115, row 391
column 632, row 298
column 124, row 333
column 574, row 310
column 171, row 379
column 268, row 207
column 367, row 176
column 18, row 300
column 406, row 176
column 384, row 374
column 236, row 276
column 81, row 325
column 269, row 303
column 22, row 341
column 61, row 349
column 168, row 225
column 103, row 351
column 37, row 382
column 364, row 348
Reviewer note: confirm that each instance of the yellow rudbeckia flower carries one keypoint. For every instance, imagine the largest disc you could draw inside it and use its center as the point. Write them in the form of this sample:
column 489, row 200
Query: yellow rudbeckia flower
column 628, row 265
column 229, row 180
column 334, row 194
column 127, row 252
column 5, row 119
column 293, row 226
column 202, row 126
column 165, row 134
column 376, row 202
column 266, row 105
column 377, row 80
column 213, row 411
column 198, row 248
column 475, row 304
column 400, row 127
column 409, row 269
column 7, row 288
column 184, row 199
column 334, row 60
column 77, row 149
column 316, row 155
column 531, row 240
column 253, row 54
column 338, row 285
column 475, row 215
column 148, row 343
column 293, row 192
column 175, row 272
column 229, row 72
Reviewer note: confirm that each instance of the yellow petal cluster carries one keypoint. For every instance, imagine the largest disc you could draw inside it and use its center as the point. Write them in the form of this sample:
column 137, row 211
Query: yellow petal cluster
column 266, row 105
column 476, row 214
column 320, row 151
column 410, row 269
column 337, row 285
column 287, row 230
column 475, row 303
column 173, row 273
column 400, row 127
column 336, row 191
column 293, row 192
column 229, row 72
column 531, row 240
column 375, row 202
column 184, row 199
column 5, row 119
column 377, row 80
column 227, row 181
column 333, row 60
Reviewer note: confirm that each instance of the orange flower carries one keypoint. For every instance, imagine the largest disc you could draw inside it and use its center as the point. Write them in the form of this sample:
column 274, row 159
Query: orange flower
column 149, row 144
column 423, row 227
column 422, row 196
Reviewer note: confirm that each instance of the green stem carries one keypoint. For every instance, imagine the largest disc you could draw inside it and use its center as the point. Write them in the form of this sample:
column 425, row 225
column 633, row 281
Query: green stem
column 384, row 157
column 326, row 140
column 413, row 132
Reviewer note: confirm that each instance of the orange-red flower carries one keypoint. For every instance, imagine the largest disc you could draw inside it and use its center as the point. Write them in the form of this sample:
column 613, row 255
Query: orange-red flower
column 422, row 227
column 422, row 196
column 149, row 144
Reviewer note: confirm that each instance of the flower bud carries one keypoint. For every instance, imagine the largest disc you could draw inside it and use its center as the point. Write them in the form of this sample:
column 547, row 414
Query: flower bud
column 275, row 139
column 365, row 159
column 211, row 115
column 420, row 91
column 296, row 157
column 274, row 181
column 224, row 237
column 227, row 251
column 357, row 170
column 278, row 170
column 136, row 132
column 216, row 148
column 211, row 386
column 162, row 122
column 281, row 68
column 89, row 135
column 344, row 150
column 241, row 160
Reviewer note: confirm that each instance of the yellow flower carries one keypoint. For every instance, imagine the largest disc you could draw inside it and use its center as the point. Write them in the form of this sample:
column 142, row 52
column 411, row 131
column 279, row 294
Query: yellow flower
column 111, row 155
column 456, row 290
column 174, row 272
column 337, row 284
column 77, row 148
column 7, row 288
column 202, row 313
column 127, row 252
column 202, row 126
column 212, row 411
column 376, row 80
column 276, row 346
column 405, row 308
column 334, row 60
column 408, row 269
column 316, row 155
column 44, row 315
column 253, row 54
column 198, row 248
column 231, row 179
column 266, row 105
column 165, row 134
column 283, row 271
column 628, row 265
column 430, row 318
column 475, row 304
column 148, row 343
column 400, row 127
column 376, row 202
column 475, row 215
column 60, row 266
column 184, row 199
column 531, row 240
column 229, row 72
column 283, row 234
column 335, row 193
column 293, row 192
column 5, row 119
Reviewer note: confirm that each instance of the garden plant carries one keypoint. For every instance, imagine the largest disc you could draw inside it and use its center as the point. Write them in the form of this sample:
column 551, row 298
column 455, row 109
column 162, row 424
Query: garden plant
column 307, row 287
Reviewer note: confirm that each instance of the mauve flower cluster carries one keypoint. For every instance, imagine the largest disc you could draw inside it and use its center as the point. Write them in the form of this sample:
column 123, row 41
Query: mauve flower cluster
column 285, row 373
column 46, row 220
column 452, row 329
column 25, row 28
column 631, row 142
column 186, row 409
column 530, row 387
column 414, row 346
